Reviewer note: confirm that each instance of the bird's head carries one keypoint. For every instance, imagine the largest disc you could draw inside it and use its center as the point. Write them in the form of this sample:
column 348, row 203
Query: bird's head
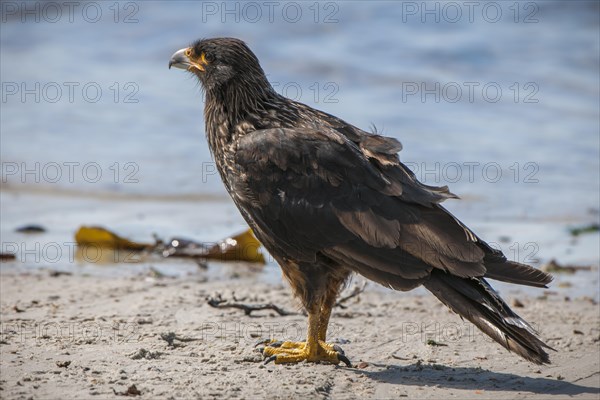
column 219, row 62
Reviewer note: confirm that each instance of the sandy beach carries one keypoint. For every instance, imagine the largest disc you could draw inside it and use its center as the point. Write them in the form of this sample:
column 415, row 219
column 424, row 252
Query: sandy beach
column 78, row 336
column 73, row 329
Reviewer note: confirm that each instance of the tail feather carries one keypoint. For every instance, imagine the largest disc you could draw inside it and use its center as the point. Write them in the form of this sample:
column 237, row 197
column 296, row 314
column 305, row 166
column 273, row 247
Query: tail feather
column 514, row 272
column 475, row 300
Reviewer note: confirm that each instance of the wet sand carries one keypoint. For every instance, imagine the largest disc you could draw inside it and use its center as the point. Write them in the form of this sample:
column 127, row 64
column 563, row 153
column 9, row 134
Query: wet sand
column 78, row 336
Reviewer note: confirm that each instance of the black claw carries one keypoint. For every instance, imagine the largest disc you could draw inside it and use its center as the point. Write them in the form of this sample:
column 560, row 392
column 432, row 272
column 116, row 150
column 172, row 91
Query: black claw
column 345, row 360
column 338, row 349
column 262, row 341
column 260, row 349
column 272, row 358
column 276, row 344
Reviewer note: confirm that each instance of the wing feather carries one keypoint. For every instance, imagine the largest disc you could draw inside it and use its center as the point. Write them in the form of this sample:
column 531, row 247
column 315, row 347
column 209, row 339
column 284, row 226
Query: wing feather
column 315, row 191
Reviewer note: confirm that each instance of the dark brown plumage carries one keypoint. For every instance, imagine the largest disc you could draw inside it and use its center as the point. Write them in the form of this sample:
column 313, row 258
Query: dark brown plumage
column 327, row 199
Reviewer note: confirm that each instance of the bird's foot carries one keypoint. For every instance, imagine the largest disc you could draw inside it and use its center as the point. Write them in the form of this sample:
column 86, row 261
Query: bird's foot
column 294, row 352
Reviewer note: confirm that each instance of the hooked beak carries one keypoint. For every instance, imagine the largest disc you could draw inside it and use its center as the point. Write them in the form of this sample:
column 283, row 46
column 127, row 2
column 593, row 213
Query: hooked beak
column 180, row 60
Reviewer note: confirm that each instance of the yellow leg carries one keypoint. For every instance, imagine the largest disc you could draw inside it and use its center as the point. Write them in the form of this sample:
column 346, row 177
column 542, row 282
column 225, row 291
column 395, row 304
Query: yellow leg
column 313, row 350
column 324, row 322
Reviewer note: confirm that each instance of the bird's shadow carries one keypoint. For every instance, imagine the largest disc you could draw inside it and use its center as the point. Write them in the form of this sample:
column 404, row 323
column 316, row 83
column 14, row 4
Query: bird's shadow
column 471, row 379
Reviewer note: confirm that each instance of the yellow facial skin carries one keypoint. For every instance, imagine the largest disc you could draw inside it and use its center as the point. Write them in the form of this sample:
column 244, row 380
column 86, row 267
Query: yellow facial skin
column 199, row 63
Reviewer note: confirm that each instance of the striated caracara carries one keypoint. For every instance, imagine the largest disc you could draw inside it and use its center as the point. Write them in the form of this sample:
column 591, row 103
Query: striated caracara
column 327, row 199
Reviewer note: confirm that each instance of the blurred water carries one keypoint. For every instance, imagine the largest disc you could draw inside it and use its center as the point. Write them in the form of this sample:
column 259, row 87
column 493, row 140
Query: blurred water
column 359, row 60
column 367, row 55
